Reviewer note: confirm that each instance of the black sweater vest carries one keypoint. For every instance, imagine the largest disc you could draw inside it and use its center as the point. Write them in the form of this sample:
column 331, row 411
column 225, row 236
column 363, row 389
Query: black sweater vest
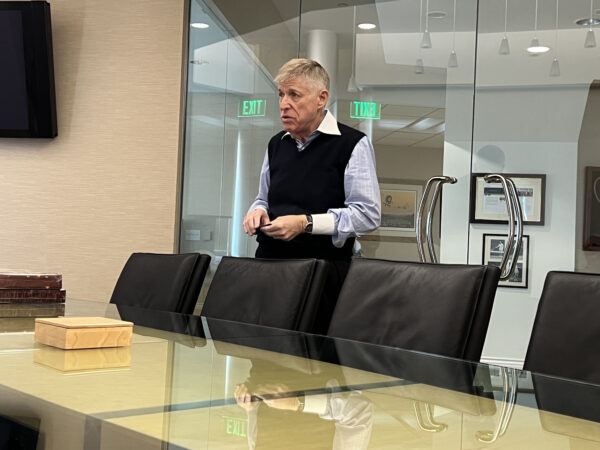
column 310, row 181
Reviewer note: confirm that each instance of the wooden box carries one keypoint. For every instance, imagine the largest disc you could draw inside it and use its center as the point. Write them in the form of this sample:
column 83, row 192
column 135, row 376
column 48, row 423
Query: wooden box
column 83, row 332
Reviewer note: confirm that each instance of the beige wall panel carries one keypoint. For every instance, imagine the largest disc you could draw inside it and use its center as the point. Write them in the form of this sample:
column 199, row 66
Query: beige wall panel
column 107, row 185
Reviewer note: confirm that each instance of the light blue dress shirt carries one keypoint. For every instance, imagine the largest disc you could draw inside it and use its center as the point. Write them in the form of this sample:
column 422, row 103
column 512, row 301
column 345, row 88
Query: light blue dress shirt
column 362, row 211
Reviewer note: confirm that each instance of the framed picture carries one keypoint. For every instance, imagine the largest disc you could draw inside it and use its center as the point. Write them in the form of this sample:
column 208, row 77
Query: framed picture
column 488, row 204
column 399, row 206
column 591, row 227
column 494, row 246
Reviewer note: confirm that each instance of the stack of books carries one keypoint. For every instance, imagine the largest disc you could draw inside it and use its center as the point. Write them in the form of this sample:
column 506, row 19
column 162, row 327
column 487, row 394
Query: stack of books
column 31, row 288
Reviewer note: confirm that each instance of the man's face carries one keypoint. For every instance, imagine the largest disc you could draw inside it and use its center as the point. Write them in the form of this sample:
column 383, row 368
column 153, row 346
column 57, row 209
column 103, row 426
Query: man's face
column 300, row 105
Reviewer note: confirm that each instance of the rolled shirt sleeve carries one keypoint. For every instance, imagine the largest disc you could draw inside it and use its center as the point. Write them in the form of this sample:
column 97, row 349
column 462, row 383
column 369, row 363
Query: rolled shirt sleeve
column 362, row 213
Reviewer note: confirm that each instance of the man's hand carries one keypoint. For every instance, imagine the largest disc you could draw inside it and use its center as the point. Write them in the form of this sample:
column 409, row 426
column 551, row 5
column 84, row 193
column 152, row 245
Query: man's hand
column 243, row 397
column 285, row 228
column 254, row 219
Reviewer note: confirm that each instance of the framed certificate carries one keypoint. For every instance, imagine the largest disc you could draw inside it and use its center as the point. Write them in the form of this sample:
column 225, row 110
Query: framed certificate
column 488, row 203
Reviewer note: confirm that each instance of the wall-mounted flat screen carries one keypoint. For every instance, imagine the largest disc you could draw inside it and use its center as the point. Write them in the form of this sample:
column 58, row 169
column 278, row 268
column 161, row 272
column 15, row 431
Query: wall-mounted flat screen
column 27, row 97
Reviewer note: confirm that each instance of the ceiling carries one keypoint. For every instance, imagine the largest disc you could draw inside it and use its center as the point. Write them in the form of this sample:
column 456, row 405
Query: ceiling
column 276, row 21
column 336, row 15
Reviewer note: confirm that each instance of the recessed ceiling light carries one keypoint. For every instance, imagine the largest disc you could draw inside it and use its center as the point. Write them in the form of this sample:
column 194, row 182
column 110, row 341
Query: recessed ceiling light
column 535, row 48
column 200, row 25
column 367, row 26
column 587, row 22
column 436, row 14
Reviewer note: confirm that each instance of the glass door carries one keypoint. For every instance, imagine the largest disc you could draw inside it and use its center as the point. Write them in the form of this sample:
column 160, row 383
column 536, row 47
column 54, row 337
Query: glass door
column 536, row 113
column 402, row 74
column 232, row 111
column 401, row 71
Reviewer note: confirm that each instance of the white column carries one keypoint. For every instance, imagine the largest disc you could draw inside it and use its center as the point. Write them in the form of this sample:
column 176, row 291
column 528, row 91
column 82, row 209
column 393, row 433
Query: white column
column 321, row 46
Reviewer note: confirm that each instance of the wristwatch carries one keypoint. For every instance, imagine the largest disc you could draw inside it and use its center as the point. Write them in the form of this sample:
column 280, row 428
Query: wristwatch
column 309, row 224
column 301, row 402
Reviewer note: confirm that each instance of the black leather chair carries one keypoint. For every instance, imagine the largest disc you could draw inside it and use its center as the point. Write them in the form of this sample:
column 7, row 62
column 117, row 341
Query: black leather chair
column 436, row 308
column 161, row 281
column 282, row 293
column 565, row 336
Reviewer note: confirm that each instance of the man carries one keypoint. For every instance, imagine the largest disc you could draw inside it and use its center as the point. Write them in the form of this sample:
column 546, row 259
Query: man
column 318, row 186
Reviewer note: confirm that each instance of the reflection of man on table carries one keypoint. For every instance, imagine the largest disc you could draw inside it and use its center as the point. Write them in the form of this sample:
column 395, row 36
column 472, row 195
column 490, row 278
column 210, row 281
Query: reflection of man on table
column 352, row 414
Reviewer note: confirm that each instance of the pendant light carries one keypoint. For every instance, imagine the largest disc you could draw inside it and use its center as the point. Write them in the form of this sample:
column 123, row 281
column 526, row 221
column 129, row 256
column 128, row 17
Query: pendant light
column 535, row 48
column 426, row 41
column 555, row 67
column 452, row 59
column 504, row 46
column 419, row 68
column 590, row 37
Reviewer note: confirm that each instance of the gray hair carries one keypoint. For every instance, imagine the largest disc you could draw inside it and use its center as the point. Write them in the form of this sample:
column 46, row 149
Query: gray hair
column 307, row 68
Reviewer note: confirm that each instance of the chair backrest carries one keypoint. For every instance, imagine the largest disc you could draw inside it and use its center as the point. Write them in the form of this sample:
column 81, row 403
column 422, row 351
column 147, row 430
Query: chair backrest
column 161, row 281
column 282, row 293
column 436, row 308
column 565, row 336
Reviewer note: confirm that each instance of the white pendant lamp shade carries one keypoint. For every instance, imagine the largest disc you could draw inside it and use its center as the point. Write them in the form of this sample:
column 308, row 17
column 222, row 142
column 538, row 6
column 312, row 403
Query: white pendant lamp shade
column 555, row 68
column 504, row 48
column 426, row 41
column 452, row 59
column 419, row 67
column 590, row 39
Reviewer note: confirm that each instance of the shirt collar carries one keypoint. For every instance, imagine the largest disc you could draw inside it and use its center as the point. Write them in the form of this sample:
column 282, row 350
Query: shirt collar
column 327, row 126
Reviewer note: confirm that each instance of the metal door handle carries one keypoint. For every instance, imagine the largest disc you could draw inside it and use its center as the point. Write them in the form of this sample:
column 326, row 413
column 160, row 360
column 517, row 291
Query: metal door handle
column 510, row 383
column 515, row 225
column 514, row 256
column 439, row 181
column 427, row 423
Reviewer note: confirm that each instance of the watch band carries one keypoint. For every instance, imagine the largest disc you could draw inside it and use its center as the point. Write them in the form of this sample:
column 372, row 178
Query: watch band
column 301, row 402
column 309, row 224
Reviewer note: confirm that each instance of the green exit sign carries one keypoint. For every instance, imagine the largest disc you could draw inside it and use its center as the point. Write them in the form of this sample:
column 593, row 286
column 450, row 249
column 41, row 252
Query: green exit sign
column 252, row 108
column 236, row 426
column 365, row 110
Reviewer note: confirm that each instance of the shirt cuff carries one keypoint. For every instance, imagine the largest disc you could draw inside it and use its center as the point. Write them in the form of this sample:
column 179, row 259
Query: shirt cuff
column 315, row 404
column 323, row 224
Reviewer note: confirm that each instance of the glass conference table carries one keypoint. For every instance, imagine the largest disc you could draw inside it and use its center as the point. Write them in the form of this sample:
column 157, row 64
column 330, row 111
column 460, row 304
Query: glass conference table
column 192, row 382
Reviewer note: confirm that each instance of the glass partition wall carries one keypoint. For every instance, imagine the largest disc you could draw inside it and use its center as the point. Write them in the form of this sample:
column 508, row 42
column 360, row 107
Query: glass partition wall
column 396, row 68
column 536, row 110
column 442, row 87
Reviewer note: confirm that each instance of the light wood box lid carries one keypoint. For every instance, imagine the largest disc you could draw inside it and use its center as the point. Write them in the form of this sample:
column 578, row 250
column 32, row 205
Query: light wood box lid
column 84, row 322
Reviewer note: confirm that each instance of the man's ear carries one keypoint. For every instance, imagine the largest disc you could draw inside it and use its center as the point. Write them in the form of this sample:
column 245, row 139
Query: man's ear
column 323, row 98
